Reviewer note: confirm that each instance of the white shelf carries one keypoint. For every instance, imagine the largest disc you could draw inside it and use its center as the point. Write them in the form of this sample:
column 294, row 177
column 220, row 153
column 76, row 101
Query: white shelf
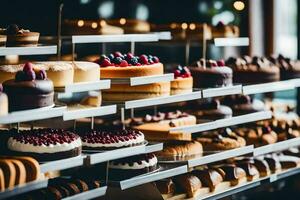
column 220, row 156
column 222, row 91
column 279, row 146
column 32, row 115
column 162, row 100
column 268, row 87
column 154, row 147
column 90, row 194
column 86, row 86
column 89, row 112
column 230, row 42
column 22, row 51
column 143, row 80
column 242, row 119
column 62, row 164
column 165, row 35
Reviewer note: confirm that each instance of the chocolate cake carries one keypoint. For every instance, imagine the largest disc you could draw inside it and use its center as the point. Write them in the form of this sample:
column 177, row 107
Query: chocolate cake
column 45, row 144
column 289, row 69
column 20, row 37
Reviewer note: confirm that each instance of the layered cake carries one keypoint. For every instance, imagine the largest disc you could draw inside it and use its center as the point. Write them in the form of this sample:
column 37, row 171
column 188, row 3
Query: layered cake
column 30, row 89
column 20, row 37
column 183, row 82
column 180, row 149
column 132, row 166
column 289, row 69
column 130, row 25
column 102, row 140
column 45, row 144
column 247, row 70
column 210, row 73
column 86, row 71
column 3, row 102
column 222, row 30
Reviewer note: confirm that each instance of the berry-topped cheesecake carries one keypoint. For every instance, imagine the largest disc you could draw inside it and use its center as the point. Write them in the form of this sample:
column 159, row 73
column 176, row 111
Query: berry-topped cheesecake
column 183, row 82
column 45, row 144
column 3, row 102
column 132, row 166
column 30, row 89
column 210, row 73
column 20, row 37
column 103, row 140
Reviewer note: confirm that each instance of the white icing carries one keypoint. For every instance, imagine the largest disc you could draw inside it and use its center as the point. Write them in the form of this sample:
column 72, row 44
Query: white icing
column 15, row 145
column 139, row 139
column 152, row 162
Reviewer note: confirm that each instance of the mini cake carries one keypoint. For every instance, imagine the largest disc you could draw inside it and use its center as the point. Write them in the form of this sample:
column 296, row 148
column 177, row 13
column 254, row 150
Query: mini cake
column 222, row 30
column 20, row 37
column 130, row 25
column 254, row 70
column 86, row 71
column 8, row 72
column 3, row 102
column 289, row 69
column 209, row 73
column 102, row 140
column 29, row 89
column 132, row 166
column 180, row 149
column 45, row 144
column 183, row 82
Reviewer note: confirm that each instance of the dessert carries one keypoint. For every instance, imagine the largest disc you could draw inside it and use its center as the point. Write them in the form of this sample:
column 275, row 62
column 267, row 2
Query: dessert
column 235, row 175
column 180, row 149
column 9, row 173
column 3, row 102
column 29, row 89
column 45, row 144
column 86, row 71
column 20, row 171
column 132, row 166
column 285, row 130
column 20, row 37
column 273, row 162
column 130, row 25
column 102, row 140
column 222, row 30
column 183, row 82
column 188, row 183
column 250, row 169
column 289, row 69
column 262, row 166
column 2, row 181
column 288, row 162
column 3, row 38
column 8, row 72
column 220, row 140
column 166, row 187
column 254, row 70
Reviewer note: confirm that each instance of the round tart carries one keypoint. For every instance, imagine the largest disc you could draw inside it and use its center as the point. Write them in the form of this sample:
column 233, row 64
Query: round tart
column 183, row 82
column 102, row 140
column 45, row 144
column 17, row 37
column 3, row 102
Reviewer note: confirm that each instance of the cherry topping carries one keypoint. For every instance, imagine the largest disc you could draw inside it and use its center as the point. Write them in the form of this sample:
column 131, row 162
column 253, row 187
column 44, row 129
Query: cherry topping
column 221, row 63
column 105, row 63
column 118, row 54
column 41, row 75
column 28, row 67
column 30, row 75
column 177, row 73
column 155, row 59
column 123, row 63
column 144, row 59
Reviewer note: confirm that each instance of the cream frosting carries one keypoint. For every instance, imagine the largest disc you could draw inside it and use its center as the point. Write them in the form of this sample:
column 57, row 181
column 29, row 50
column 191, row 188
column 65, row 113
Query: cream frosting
column 152, row 162
column 54, row 65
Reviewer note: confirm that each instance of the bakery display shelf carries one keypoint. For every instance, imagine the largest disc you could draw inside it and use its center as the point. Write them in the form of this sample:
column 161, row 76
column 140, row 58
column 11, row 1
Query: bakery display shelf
column 21, row 189
column 32, row 115
column 154, row 147
column 90, row 194
column 162, row 100
column 268, row 87
column 285, row 174
column 62, row 164
column 230, row 42
column 221, row 123
column 89, row 112
column 279, row 146
column 222, row 91
column 22, row 51
column 218, row 156
column 165, row 171
column 85, row 86
column 143, row 80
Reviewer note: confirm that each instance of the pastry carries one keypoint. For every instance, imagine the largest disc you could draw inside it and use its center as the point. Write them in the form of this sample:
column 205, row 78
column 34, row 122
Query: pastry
column 181, row 149
column 17, row 37
column 130, row 25
column 220, row 140
column 183, row 82
column 20, row 171
column 289, row 69
column 288, row 162
column 3, row 39
column 221, row 30
column 102, row 140
column 250, row 169
column 273, row 162
column 166, row 187
column 45, row 144
column 235, row 175
column 3, row 102
column 209, row 73
column 2, row 180
column 125, row 168
column 188, row 183
column 9, row 172
column 262, row 166
column 254, row 70
column 53, row 193
column 29, row 89
column 81, row 185
column 285, row 130
column 294, row 151
column 86, row 71
column 32, row 168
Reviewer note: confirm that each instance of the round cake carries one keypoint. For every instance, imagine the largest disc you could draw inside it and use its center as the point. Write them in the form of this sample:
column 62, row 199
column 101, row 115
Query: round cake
column 8, row 72
column 209, row 73
column 102, row 140
column 3, row 102
column 183, row 82
column 29, row 89
column 86, row 71
column 45, row 144
column 132, row 166
column 17, row 37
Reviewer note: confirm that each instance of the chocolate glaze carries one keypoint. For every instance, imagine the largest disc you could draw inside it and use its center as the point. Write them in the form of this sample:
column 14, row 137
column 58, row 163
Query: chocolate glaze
column 232, row 172
column 209, row 177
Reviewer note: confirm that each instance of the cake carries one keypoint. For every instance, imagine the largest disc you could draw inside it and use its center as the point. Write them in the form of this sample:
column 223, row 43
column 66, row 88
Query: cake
column 102, row 140
column 3, row 38
column 8, row 72
column 29, row 89
column 289, row 69
column 45, row 144
column 183, row 82
column 125, row 168
column 86, row 71
column 180, row 149
column 254, row 70
column 209, row 73
column 20, row 37
column 130, row 25
column 3, row 102
column 221, row 30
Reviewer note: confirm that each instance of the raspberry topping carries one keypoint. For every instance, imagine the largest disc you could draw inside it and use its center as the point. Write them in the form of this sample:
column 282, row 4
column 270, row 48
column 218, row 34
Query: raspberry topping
column 182, row 72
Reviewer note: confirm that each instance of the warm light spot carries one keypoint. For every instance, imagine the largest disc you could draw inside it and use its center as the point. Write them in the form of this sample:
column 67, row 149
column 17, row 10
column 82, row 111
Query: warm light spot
column 94, row 25
column 102, row 23
column 80, row 23
column 192, row 26
column 184, row 26
column 239, row 5
column 173, row 25
column 122, row 21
